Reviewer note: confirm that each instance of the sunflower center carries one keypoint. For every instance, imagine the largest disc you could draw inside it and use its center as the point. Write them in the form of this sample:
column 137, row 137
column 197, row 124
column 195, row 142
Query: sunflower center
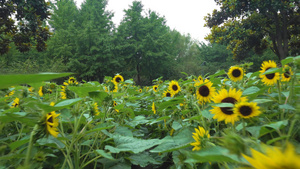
column 228, row 110
column 168, row 94
column 287, row 74
column 270, row 76
column 245, row 110
column 155, row 88
column 203, row 91
column 236, row 73
column 118, row 79
column 72, row 80
column 175, row 87
column 50, row 119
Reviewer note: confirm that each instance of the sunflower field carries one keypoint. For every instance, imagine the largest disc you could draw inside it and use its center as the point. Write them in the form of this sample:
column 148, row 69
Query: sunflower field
column 230, row 119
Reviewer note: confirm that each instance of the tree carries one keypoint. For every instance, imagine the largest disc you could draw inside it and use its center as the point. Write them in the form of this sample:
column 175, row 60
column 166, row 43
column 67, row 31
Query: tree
column 30, row 29
column 256, row 24
column 64, row 23
column 144, row 43
column 94, row 59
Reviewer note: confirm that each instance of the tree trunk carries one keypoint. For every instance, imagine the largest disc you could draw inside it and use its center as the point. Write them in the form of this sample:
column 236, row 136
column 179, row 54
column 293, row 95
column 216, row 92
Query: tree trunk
column 138, row 70
column 280, row 41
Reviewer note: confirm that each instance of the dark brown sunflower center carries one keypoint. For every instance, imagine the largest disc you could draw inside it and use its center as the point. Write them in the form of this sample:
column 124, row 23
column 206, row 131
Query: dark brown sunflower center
column 203, row 91
column 245, row 110
column 155, row 88
column 175, row 87
column 50, row 119
column 72, row 80
column 16, row 105
column 118, row 79
column 236, row 73
column 270, row 76
column 168, row 94
column 228, row 110
column 287, row 74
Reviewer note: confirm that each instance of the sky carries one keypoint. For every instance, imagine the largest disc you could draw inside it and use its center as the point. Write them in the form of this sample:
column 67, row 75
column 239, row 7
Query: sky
column 184, row 16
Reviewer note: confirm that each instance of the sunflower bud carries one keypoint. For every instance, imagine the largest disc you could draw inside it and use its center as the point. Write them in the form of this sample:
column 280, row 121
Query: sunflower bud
column 234, row 143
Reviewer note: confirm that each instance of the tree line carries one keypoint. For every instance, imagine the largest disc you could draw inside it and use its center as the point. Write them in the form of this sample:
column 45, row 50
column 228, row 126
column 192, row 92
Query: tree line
column 85, row 41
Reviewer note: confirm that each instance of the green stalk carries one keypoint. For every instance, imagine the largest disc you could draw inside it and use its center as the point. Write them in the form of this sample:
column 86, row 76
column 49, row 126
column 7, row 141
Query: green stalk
column 279, row 91
column 292, row 88
column 279, row 98
column 291, row 128
column 30, row 145
column 202, row 119
column 244, row 128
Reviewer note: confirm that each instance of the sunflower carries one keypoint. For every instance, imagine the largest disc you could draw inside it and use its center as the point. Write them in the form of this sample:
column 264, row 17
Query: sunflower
column 10, row 93
column 167, row 93
column 235, row 73
column 205, row 92
column 41, row 91
column 15, row 103
column 115, row 88
column 268, row 79
column 95, row 110
column 226, row 113
column 274, row 158
column 115, row 104
column 72, row 80
column 246, row 109
column 286, row 76
column 30, row 89
column 63, row 93
column 200, row 78
column 155, row 87
column 174, row 87
column 200, row 138
column 106, row 89
column 52, row 122
column 153, row 108
column 140, row 90
column 117, row 79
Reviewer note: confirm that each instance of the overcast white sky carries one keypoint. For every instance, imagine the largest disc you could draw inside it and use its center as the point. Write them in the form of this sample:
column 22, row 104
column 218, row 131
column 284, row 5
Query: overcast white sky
column 184, row 16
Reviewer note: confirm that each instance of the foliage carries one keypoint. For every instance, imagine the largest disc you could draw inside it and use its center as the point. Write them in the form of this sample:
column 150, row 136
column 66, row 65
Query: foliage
column 122, row 131
column 252, row 24
column 29, row 30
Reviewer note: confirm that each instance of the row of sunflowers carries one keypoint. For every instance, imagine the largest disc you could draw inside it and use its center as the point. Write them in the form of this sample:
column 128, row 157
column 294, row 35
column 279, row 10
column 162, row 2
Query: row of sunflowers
column 233, row 119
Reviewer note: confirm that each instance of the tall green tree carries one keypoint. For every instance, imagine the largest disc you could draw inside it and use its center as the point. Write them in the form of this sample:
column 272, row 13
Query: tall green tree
column 29, row 31
column 64, row 23
column 93, row 59
column 256, row 24
column 143, row 43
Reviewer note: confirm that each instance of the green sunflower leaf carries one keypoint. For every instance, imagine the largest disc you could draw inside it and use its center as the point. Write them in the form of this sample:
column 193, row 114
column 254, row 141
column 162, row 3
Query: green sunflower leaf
column 211, row 154
column 272, row 70
column 17, row 144
column 251, row 90
column 222, row 104
column 218, row 73
column 16, row 79
column 105, row 154
column 131, row 144
column 287, row 107
column 287, row 60
column 83, row 91
column 180, row 141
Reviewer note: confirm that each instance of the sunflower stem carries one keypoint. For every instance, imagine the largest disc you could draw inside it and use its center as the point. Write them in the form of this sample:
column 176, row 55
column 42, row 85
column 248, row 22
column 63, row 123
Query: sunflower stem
column 244, row 127
column 202, row 119
column 292, row 88
column 30, row 145
column 291, row 128
column 279, row 91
